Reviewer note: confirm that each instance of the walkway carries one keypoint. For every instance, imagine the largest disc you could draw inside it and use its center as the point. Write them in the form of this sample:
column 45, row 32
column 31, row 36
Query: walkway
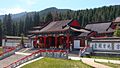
column 90, row 62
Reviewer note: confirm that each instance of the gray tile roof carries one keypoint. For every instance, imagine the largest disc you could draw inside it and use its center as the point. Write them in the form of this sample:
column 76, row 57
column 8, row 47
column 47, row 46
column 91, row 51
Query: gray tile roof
column 99, row 27
column 54, row 26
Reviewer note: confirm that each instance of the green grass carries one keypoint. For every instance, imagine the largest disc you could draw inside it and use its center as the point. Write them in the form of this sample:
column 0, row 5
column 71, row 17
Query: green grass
column 110, row 64
column 56, row 63
column 102, row 57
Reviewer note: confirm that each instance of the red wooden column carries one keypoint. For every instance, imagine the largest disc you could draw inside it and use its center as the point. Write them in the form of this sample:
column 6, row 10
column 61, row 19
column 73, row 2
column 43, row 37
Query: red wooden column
column 35, row 41
column 67, row 41
column 50, row 40
column 56, row 42
column 44, row 41
column 40, row 41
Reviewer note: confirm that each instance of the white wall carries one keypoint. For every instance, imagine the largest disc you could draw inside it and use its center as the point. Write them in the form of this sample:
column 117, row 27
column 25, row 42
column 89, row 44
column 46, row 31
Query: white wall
column 13, row 42
column 101, row 46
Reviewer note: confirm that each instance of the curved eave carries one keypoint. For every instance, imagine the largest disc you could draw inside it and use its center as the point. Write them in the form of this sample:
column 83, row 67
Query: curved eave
column 80, row 30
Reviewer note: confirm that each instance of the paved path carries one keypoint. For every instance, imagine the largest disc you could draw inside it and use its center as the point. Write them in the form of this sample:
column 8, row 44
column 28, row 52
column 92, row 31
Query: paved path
column 94, row 64
column 110, row 61
column 90, row 62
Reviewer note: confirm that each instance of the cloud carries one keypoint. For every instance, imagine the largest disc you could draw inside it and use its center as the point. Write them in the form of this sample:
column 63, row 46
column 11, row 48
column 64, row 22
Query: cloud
column 11, row 10
column 29, row 2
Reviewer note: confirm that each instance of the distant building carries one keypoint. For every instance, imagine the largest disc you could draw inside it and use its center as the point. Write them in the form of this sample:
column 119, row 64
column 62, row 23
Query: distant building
column 58, row 34
column 13, row 41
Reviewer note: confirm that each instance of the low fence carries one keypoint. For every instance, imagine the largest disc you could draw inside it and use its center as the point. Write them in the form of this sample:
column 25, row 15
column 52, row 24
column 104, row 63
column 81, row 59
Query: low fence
column 9, row 51
column 45, row 53
column 54, row 53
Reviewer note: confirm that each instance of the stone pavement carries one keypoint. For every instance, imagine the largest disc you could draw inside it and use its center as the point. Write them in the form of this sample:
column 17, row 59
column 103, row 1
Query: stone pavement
column 90, row 62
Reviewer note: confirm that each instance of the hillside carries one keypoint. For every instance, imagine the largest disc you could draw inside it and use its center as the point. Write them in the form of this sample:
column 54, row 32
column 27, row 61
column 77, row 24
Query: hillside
column 42, row 13
column 15, row 24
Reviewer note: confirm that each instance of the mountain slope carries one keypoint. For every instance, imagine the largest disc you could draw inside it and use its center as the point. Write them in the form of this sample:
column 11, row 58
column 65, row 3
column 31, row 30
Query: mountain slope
column 17, row 17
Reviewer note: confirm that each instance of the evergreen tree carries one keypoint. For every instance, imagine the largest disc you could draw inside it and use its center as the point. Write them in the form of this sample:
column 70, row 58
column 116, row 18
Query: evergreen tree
column 7, row 25
column 0, row 33
column 36, row 19
column 21, row 27
column 4, row 25
column 49, row 18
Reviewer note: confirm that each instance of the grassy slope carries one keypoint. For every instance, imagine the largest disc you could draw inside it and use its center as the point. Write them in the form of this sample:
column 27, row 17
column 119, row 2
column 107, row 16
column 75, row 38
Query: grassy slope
column 110, row 64
column 56, row 63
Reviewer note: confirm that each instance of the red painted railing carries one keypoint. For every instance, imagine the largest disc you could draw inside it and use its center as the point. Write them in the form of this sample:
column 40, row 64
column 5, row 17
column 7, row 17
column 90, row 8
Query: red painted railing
column 83, row 50
column 9, row 51
column 33, row 56
column 4, row 54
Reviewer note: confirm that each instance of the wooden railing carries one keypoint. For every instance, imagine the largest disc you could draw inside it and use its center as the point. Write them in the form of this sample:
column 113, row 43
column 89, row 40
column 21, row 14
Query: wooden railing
column 36, row 55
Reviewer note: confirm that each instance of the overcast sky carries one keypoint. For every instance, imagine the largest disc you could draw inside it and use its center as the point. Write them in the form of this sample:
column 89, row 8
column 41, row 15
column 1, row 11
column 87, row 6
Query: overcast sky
column 17, row 6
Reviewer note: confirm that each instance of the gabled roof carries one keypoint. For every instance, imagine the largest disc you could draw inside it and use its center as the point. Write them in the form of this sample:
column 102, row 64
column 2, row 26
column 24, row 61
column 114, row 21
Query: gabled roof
column 54, row 26
column 99, row 27
column 117, row 20
column 103, row 27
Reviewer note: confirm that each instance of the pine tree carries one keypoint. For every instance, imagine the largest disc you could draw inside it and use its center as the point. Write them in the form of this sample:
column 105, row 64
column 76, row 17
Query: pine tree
column 49, row 18
column 7, row 25
column 36, row 19
column 0, row 33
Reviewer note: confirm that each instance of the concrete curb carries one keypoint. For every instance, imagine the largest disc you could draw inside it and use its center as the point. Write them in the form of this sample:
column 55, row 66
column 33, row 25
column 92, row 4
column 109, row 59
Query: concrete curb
column 29, row 62
column 91, row 61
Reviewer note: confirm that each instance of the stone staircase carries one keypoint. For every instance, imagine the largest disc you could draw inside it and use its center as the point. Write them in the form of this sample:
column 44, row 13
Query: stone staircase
column 10, row 60
column 18, row 55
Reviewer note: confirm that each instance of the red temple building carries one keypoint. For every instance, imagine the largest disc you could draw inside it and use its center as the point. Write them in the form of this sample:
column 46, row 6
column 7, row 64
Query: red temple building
column 58, row 34
column 68, row 34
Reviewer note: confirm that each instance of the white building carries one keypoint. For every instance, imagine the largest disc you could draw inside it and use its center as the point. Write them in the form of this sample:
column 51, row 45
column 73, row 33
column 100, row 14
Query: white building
column 12, row 41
